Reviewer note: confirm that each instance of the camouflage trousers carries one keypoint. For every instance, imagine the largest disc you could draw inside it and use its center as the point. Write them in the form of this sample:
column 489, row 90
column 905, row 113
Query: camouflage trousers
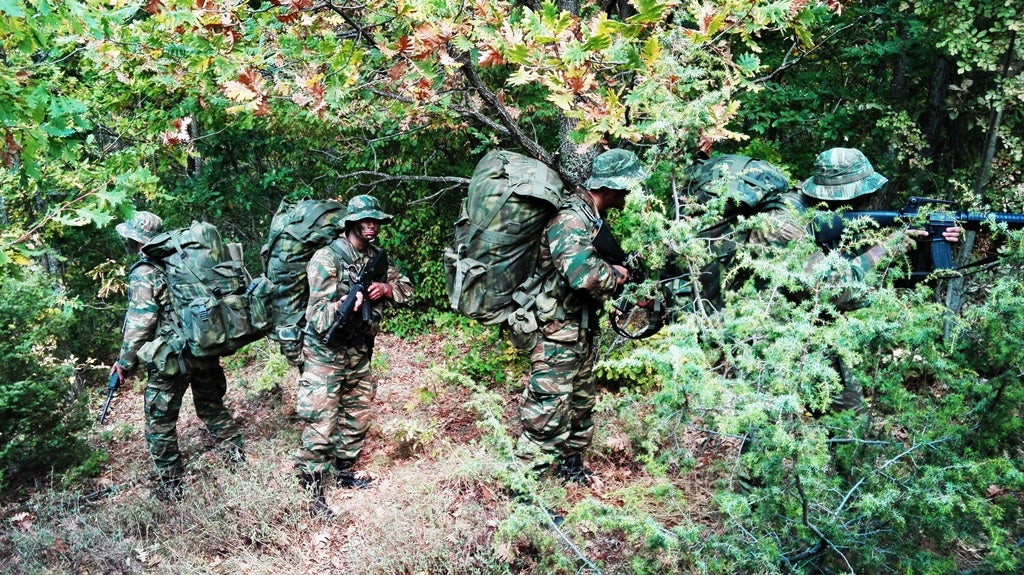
column 559, row 400
column 163, row 397
column 335, row 398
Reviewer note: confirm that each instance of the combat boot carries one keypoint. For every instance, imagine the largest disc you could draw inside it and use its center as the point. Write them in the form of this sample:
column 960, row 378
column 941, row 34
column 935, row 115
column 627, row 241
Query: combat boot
column 314, row 484
column 572, row 470
column 170, row 490
column 347, row 478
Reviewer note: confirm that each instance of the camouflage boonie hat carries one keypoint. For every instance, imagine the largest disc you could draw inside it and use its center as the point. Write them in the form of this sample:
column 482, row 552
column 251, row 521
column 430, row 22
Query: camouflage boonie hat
column 616, row 170
column 364, row 208
column 143, row 227
column 745, row 179
column 842, row 174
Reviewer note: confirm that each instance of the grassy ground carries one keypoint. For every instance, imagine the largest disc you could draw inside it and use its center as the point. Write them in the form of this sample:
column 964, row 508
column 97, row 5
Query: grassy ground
column 439, row 502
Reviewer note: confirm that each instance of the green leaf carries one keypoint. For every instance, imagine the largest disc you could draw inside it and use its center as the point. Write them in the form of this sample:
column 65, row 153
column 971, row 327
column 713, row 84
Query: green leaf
column 13, row 8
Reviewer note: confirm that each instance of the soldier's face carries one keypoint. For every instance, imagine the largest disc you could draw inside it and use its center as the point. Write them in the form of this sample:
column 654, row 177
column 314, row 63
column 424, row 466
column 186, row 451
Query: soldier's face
column 368, row 229
column 618, row 199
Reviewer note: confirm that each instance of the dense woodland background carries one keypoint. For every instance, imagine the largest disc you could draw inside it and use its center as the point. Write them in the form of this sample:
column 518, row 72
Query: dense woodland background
column 220, row 109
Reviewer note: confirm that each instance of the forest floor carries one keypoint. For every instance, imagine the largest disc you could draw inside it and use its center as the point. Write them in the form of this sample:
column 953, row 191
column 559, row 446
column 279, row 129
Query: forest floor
column 438, row 502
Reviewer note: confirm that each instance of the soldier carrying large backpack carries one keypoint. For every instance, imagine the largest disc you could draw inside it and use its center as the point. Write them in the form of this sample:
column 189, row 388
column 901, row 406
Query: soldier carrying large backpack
column 297, row 231
column 188, row 305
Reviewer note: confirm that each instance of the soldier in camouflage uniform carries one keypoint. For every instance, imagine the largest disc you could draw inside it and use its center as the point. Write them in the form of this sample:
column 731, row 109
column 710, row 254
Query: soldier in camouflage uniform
column 560, row 397
column 336, row 389
column 843, row 177
column 150, row 317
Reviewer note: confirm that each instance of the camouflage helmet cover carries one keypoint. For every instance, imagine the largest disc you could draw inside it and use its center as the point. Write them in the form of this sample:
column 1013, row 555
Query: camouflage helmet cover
column 747, row 180
column 142, row 227
column 842, row 174
column 364, row 208
column 617, row 170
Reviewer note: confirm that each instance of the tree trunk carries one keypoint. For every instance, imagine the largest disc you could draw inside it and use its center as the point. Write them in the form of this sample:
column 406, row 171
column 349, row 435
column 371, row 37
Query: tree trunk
column 955, row 290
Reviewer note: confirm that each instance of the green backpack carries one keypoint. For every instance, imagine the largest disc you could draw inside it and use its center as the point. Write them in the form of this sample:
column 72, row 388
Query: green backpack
column 752, row 186
column 497, row 236
column 218, row 309
column 297, row 231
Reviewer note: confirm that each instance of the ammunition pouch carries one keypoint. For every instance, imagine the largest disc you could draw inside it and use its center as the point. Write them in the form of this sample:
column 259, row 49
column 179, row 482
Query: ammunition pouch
column 164, row 355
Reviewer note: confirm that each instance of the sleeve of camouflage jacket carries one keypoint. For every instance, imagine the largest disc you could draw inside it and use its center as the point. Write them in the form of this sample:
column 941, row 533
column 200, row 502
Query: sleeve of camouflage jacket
column 783, row 227
column 859, row 265
column 401, row 287
column 145, row 289
column 322, row 272
column 575, row 258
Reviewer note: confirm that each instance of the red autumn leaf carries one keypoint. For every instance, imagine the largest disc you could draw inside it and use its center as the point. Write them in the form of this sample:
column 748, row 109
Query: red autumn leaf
column 490, row 56
column 252, row 79
column 404, row 45
column 422, row 90
column 705, row 144
column 576, row 84
column 154, row 7
column 398, row 70
column 178, row 134
column 9, row 152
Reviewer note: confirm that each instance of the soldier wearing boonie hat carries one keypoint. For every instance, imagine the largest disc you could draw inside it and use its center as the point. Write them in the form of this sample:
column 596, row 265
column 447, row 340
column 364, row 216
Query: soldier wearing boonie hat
column 364, row 208
column 336, row 388
column 150, row 319
column 616, row 170
column 143, row 227
column 842, row 174
column 558, row 402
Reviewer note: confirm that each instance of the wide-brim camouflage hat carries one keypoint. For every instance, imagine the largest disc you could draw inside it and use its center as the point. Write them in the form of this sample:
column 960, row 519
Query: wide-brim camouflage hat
column 143, row 227
column 842, row 174
column 616, row 170
column 364, row 208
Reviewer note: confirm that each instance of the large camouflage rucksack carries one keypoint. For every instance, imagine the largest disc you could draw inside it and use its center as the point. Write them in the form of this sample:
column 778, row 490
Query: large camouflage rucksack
column 750, row 186
column 218, row 309
column 297, row 231
column 497, row 236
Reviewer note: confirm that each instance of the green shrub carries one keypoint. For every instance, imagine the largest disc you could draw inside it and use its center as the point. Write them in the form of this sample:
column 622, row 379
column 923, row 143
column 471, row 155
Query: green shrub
column 42, row 416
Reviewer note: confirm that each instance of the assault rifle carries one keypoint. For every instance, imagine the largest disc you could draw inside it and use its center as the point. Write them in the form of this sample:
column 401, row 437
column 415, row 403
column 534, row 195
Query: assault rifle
column 370, row 270
column 610, row 251
column 113, row 385
column 828, row 228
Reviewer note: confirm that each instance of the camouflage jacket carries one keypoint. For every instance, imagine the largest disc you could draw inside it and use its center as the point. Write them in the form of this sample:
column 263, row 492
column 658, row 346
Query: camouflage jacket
column 149, row 311
column 578, row 280
column 332, row 272
column 784, row 226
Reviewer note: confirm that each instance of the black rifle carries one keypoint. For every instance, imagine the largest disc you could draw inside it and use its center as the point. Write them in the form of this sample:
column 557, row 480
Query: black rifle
column 371, row 270
column 828, row 228
column 610, row 251
column 112, row 386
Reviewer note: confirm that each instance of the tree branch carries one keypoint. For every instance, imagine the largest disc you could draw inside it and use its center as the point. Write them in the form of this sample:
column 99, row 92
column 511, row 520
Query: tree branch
column 514, row 129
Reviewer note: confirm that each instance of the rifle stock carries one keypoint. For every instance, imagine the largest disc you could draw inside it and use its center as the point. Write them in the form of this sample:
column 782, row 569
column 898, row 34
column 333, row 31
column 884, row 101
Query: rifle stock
column 112, row 386
column 360, row 286
column 828, row 228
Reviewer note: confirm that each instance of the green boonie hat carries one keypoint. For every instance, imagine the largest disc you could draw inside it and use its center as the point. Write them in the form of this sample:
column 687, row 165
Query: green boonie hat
column 842, row 174
column 616, row 170
column 742, row 178
column 364, row 208
column 143, row 227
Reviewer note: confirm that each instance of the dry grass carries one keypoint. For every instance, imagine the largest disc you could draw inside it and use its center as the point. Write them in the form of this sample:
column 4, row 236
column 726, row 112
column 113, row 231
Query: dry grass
column 437, row 504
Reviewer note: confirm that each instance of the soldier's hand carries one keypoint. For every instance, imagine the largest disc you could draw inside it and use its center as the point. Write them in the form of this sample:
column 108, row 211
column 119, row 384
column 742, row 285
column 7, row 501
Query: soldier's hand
column 379, row 290
column 621, row 275
column 952, row 234
column 334, row 307
column 911, row 237
column 122, row 374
